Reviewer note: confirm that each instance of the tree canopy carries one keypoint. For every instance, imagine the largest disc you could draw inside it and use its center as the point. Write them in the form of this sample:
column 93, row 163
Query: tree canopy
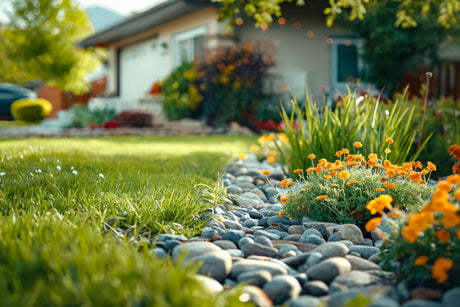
column 41, row 42
column 448, row 11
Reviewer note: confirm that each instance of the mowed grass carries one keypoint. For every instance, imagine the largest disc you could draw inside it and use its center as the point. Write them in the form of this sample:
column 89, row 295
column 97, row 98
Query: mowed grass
column 73, row 213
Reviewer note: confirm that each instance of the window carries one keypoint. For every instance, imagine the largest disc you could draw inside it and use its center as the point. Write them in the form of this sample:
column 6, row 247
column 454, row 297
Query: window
column 346, row 64
column 188, row 44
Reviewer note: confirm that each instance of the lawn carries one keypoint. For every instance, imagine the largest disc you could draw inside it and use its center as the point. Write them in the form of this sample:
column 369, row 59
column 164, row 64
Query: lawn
column 61, row 198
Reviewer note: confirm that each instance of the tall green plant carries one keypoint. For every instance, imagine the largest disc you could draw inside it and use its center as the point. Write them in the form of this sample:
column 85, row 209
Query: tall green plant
column 322, row 130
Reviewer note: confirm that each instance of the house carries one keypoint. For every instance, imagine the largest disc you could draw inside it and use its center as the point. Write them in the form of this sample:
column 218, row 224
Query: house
column 146, row 47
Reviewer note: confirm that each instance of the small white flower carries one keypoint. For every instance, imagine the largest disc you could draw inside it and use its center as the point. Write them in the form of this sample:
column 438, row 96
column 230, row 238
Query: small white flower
column 58, row 167
column 21, row 156
column 71, row 167
column 51, row 175
column 75, row 172
column 101, row 175
column 2, row 174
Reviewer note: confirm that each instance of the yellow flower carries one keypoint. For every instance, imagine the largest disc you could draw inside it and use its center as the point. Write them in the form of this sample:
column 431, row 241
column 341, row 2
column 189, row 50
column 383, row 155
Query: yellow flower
column 443, row 235
column 338, row 153
column 389, row 140
column 357, row 144
column 440, row 268
column 311, row 156
column 322, row 197
column 283, row 200
column 254, row 148
column 372, row 156
column 380, row 203
column 243, row 156
column 373, row 223
column 266, row 172
column 344, row 175
column 273, row 153
column 351, row 182
column 345, row 151
column 175, row 85
column 380, row 190
column 421, row 260
column 298, row 171
column 430, row 166
column 387, row 150
column 271, row 159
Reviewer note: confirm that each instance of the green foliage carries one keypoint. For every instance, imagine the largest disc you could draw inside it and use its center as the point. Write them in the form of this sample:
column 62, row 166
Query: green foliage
column 180, row 96
column 59, row 197
column 82, row 116
column 346, row 203
column 322, row 130
column 40, row 42
column 31, row 110
column 447, row 11
column 390, row 52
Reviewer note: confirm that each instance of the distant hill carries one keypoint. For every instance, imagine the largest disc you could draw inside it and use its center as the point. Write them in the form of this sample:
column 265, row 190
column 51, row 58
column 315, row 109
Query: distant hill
column 102, row 17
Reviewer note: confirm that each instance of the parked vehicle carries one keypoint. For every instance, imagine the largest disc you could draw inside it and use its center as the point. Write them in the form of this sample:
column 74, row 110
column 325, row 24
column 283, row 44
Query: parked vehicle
column 9, row 93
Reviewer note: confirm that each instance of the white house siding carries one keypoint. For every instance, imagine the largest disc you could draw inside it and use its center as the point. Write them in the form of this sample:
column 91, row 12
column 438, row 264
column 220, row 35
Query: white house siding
column 144, row 60
column 301, row 60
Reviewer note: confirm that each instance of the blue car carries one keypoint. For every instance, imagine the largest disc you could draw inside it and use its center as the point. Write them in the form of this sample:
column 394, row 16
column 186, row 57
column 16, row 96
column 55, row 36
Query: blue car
column 9, row 93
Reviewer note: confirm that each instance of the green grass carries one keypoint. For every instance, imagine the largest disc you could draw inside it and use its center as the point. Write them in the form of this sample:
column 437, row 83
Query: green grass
column 59, row 199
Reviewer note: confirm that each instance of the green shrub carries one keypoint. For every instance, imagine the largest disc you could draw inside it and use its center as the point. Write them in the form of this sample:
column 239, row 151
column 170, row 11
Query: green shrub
column 83, row 117
column 31, row 110
column 339, row 192
column 321, row 130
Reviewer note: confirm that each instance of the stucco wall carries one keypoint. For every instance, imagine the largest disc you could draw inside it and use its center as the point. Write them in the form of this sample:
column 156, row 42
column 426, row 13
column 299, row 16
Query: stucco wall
column 298, row 56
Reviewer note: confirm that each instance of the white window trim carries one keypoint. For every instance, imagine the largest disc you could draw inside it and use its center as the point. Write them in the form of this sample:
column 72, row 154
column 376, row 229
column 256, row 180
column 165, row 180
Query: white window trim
column 188, row 35
column 337, row 41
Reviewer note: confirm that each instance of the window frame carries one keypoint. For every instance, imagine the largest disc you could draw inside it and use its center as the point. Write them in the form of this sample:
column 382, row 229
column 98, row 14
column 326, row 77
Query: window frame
column 189, row 36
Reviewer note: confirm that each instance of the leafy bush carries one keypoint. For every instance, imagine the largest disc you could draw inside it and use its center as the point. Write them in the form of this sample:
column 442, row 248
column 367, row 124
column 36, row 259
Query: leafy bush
column 180, row 96
column 223, row 86
column 134, row 119
column 424, row 247
column 321, row 130
column 31, row 110
column 338, row 192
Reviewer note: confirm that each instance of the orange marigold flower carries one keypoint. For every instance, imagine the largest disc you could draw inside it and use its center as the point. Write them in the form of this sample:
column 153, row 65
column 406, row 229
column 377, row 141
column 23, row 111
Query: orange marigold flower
column 389, row 140
column 284, row 199
column 322, row 162
column 410, row 233
column 456, row 168
column 310, row 170
column 451, row 218
column 327, row 177
column 266, row 172
column 357, row 144
column 390, row 185
column 345, row 151
column 390, row 172
column 339, row 153
column 243, row 156
column 311, row 156
column 455, row 151
column 443, row 235
column 380, row 190
column 386, row 164
column 373, row 223
column 380, row 203
column 421, row 221
column 425, row 172
column 284, row 183
column 387, row 150
column 271, row 159
column 318, row 169
column 372, row 156
column 444, row 186
column 421, row 260
column 298, row 171
column 350, row 182
column 322, row 197
column 384, row 179
column 332, row 174
column 254, row 148
column 440, row 268
column 454, row 179
column 457, row 194
column 406, row 166
column 273, row 153
column 371, row 163
column 430, row 166
column 281, row 213
column 344, row 175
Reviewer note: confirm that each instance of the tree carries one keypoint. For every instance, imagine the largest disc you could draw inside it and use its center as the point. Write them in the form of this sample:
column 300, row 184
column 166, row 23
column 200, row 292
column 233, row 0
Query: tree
column 41, row 42
column 264, row 11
